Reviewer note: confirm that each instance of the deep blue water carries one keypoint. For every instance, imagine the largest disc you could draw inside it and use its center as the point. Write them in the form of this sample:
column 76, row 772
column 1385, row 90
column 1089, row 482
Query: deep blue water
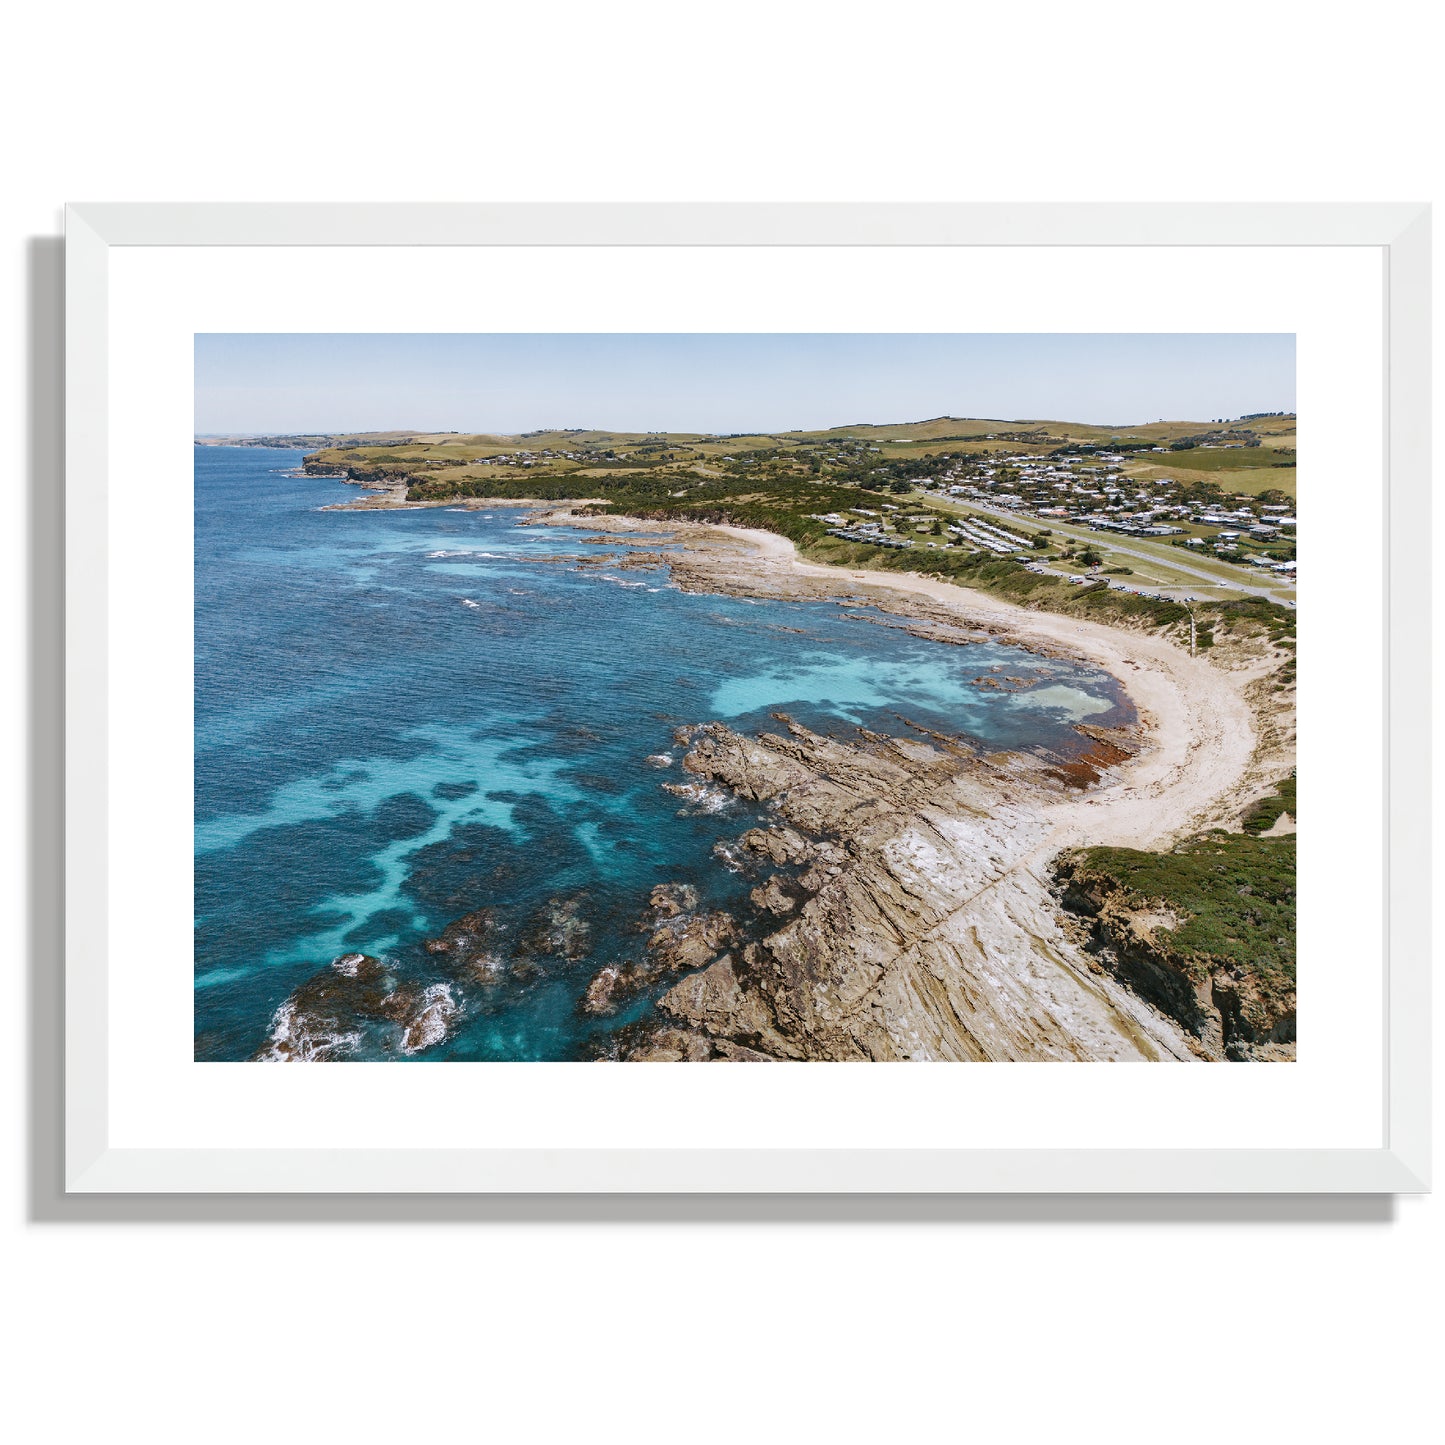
column 402, row 717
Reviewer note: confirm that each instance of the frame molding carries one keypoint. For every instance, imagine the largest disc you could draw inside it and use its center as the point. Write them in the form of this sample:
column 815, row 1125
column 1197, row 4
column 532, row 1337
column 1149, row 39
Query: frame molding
column 1402, row 1165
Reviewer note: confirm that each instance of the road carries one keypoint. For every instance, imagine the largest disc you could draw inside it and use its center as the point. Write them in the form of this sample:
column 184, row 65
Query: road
column 1273, row 592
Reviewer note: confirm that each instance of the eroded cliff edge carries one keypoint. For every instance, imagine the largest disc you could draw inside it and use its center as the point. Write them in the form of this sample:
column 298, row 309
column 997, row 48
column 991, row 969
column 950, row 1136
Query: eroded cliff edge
column 1206, row 932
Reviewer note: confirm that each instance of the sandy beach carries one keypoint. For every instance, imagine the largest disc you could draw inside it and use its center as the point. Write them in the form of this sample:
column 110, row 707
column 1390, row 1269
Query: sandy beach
column 1201, row 718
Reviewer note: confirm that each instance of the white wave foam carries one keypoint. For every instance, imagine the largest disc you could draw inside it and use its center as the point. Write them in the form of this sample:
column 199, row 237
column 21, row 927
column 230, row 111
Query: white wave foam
column 700, row 798
column 299, row 1039
column 487, row 967
column 430, row 1023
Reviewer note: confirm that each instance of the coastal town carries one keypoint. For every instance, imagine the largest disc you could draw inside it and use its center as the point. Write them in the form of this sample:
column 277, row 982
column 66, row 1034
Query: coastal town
column 991, row 505
column 1176, row 512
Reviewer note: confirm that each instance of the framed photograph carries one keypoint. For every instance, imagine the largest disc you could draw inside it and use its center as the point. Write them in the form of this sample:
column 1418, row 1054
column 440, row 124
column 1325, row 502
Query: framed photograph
column 506, row 644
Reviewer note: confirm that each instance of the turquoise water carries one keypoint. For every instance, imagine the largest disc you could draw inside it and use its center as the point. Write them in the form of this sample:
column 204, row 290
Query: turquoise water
column 403, row 717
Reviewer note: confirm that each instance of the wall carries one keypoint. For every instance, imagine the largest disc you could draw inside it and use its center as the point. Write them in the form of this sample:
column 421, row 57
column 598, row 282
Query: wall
column 1010, row 1320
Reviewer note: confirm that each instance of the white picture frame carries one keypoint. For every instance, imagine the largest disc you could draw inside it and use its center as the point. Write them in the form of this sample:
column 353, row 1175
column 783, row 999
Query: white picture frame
column 1401, row 1163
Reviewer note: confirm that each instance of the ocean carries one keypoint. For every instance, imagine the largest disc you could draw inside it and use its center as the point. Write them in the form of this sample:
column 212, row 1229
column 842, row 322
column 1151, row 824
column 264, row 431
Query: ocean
column 404, row 717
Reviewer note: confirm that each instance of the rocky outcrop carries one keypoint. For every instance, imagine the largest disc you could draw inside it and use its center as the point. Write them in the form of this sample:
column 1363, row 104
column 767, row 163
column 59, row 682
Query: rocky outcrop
column 915, row 920
column 354, row 999
column 690, row 940
column 669, row 900
column 608, row 987
column 679, row 939
column 390, row 482
column 358, row 472
column 560, row 931
column 468, row 946
column 774, row 897
column 429, row 1019
column 673, row 1046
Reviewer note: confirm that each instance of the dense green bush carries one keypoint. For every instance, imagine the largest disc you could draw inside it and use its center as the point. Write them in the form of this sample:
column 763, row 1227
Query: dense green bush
column 1234, row 894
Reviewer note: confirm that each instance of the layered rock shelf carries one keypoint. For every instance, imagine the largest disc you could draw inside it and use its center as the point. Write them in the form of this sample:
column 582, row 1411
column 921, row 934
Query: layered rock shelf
column 914, row 921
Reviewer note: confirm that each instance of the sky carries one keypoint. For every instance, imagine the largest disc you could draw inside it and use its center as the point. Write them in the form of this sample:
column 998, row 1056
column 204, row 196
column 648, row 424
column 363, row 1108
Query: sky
column 727, row 382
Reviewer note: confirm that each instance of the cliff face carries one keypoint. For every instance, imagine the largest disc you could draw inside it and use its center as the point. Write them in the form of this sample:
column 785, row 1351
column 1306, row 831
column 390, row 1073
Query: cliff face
column 1238, row 1004
column 907, row 917
column 375, row 474
column 318, row 464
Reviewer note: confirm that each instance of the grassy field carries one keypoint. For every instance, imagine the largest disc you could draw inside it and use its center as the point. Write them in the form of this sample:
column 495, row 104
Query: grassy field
column 1276, row 431
column 1250, row 481
column 1220, row 459
column 860, row 442
column 1242, row 471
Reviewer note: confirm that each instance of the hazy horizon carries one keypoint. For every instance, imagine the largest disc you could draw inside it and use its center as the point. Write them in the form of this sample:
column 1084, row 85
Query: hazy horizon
column 757, row 431
column 508, row 384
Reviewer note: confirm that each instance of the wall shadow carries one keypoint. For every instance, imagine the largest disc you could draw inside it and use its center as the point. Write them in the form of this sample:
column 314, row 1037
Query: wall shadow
column 45, row 723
